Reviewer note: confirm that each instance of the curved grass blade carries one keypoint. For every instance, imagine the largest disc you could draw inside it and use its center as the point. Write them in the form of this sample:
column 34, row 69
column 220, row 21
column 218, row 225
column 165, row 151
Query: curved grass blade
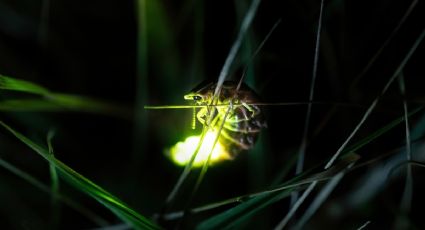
column 54, row 102
column 83, row 184
column 55, row 213
column 8, row 83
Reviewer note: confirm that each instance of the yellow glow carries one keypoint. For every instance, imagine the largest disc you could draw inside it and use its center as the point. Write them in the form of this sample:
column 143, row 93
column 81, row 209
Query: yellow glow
column 181, row 152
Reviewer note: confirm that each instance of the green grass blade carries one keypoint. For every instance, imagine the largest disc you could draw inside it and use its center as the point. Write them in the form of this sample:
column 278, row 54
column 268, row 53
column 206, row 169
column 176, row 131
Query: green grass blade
column 242, row 212
column 55, row 216
column 8, row 83
column 45, row 188
column 54, row 102
column 85, row 185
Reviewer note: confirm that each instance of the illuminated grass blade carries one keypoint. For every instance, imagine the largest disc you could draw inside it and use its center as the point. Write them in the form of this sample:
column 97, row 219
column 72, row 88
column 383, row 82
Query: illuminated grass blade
column 8, row 83
column 46, row 100
column 83, row 184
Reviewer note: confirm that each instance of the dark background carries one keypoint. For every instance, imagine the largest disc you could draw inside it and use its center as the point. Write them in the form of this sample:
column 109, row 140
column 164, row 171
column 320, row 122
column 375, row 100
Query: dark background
column 91, row 48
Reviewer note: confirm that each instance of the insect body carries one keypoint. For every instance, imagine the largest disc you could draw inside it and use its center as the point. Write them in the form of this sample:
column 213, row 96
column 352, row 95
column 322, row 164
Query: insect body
column 244, row 120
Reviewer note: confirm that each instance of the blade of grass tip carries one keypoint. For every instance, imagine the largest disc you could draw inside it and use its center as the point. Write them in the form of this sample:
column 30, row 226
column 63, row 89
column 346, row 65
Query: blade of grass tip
column 51, row 101
column 8, row 83
column 55, row 211
column 81, row 183
column 375, row 101
column 86, row 104
column 39, row 185
column 383, row 46
column 246, row 22
column 301, row 151
column 406, row 200
column 321, row 198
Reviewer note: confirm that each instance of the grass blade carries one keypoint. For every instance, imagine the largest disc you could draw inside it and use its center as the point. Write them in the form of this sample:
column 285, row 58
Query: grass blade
column 303, row 145
column 384, row 45
column 321, row 198
column 406, row 200
column 375, row 102
column 8, row 83
column 45, row 188
column 246, row 22
column 55, row 216
column 228, row 216
column 85, row 185
column 55, row 102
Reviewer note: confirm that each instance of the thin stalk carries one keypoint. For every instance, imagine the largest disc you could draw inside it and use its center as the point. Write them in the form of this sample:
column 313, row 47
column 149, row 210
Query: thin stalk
column 301, row 151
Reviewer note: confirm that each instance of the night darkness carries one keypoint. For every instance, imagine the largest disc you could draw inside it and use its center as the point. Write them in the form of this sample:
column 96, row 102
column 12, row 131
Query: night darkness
column 105, row 51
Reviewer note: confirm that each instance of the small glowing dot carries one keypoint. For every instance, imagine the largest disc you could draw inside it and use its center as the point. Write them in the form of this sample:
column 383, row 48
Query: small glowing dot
column 182, row 152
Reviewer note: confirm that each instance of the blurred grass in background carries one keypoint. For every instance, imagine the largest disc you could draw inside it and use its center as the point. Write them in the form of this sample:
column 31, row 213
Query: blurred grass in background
column 107, row 59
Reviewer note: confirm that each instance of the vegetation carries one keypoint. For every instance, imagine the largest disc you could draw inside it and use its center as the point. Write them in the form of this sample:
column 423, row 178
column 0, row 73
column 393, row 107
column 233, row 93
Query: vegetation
column 91, row 101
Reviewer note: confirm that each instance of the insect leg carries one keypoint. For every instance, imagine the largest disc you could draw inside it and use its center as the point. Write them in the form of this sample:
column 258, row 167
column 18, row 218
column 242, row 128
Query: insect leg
column 253, row 109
